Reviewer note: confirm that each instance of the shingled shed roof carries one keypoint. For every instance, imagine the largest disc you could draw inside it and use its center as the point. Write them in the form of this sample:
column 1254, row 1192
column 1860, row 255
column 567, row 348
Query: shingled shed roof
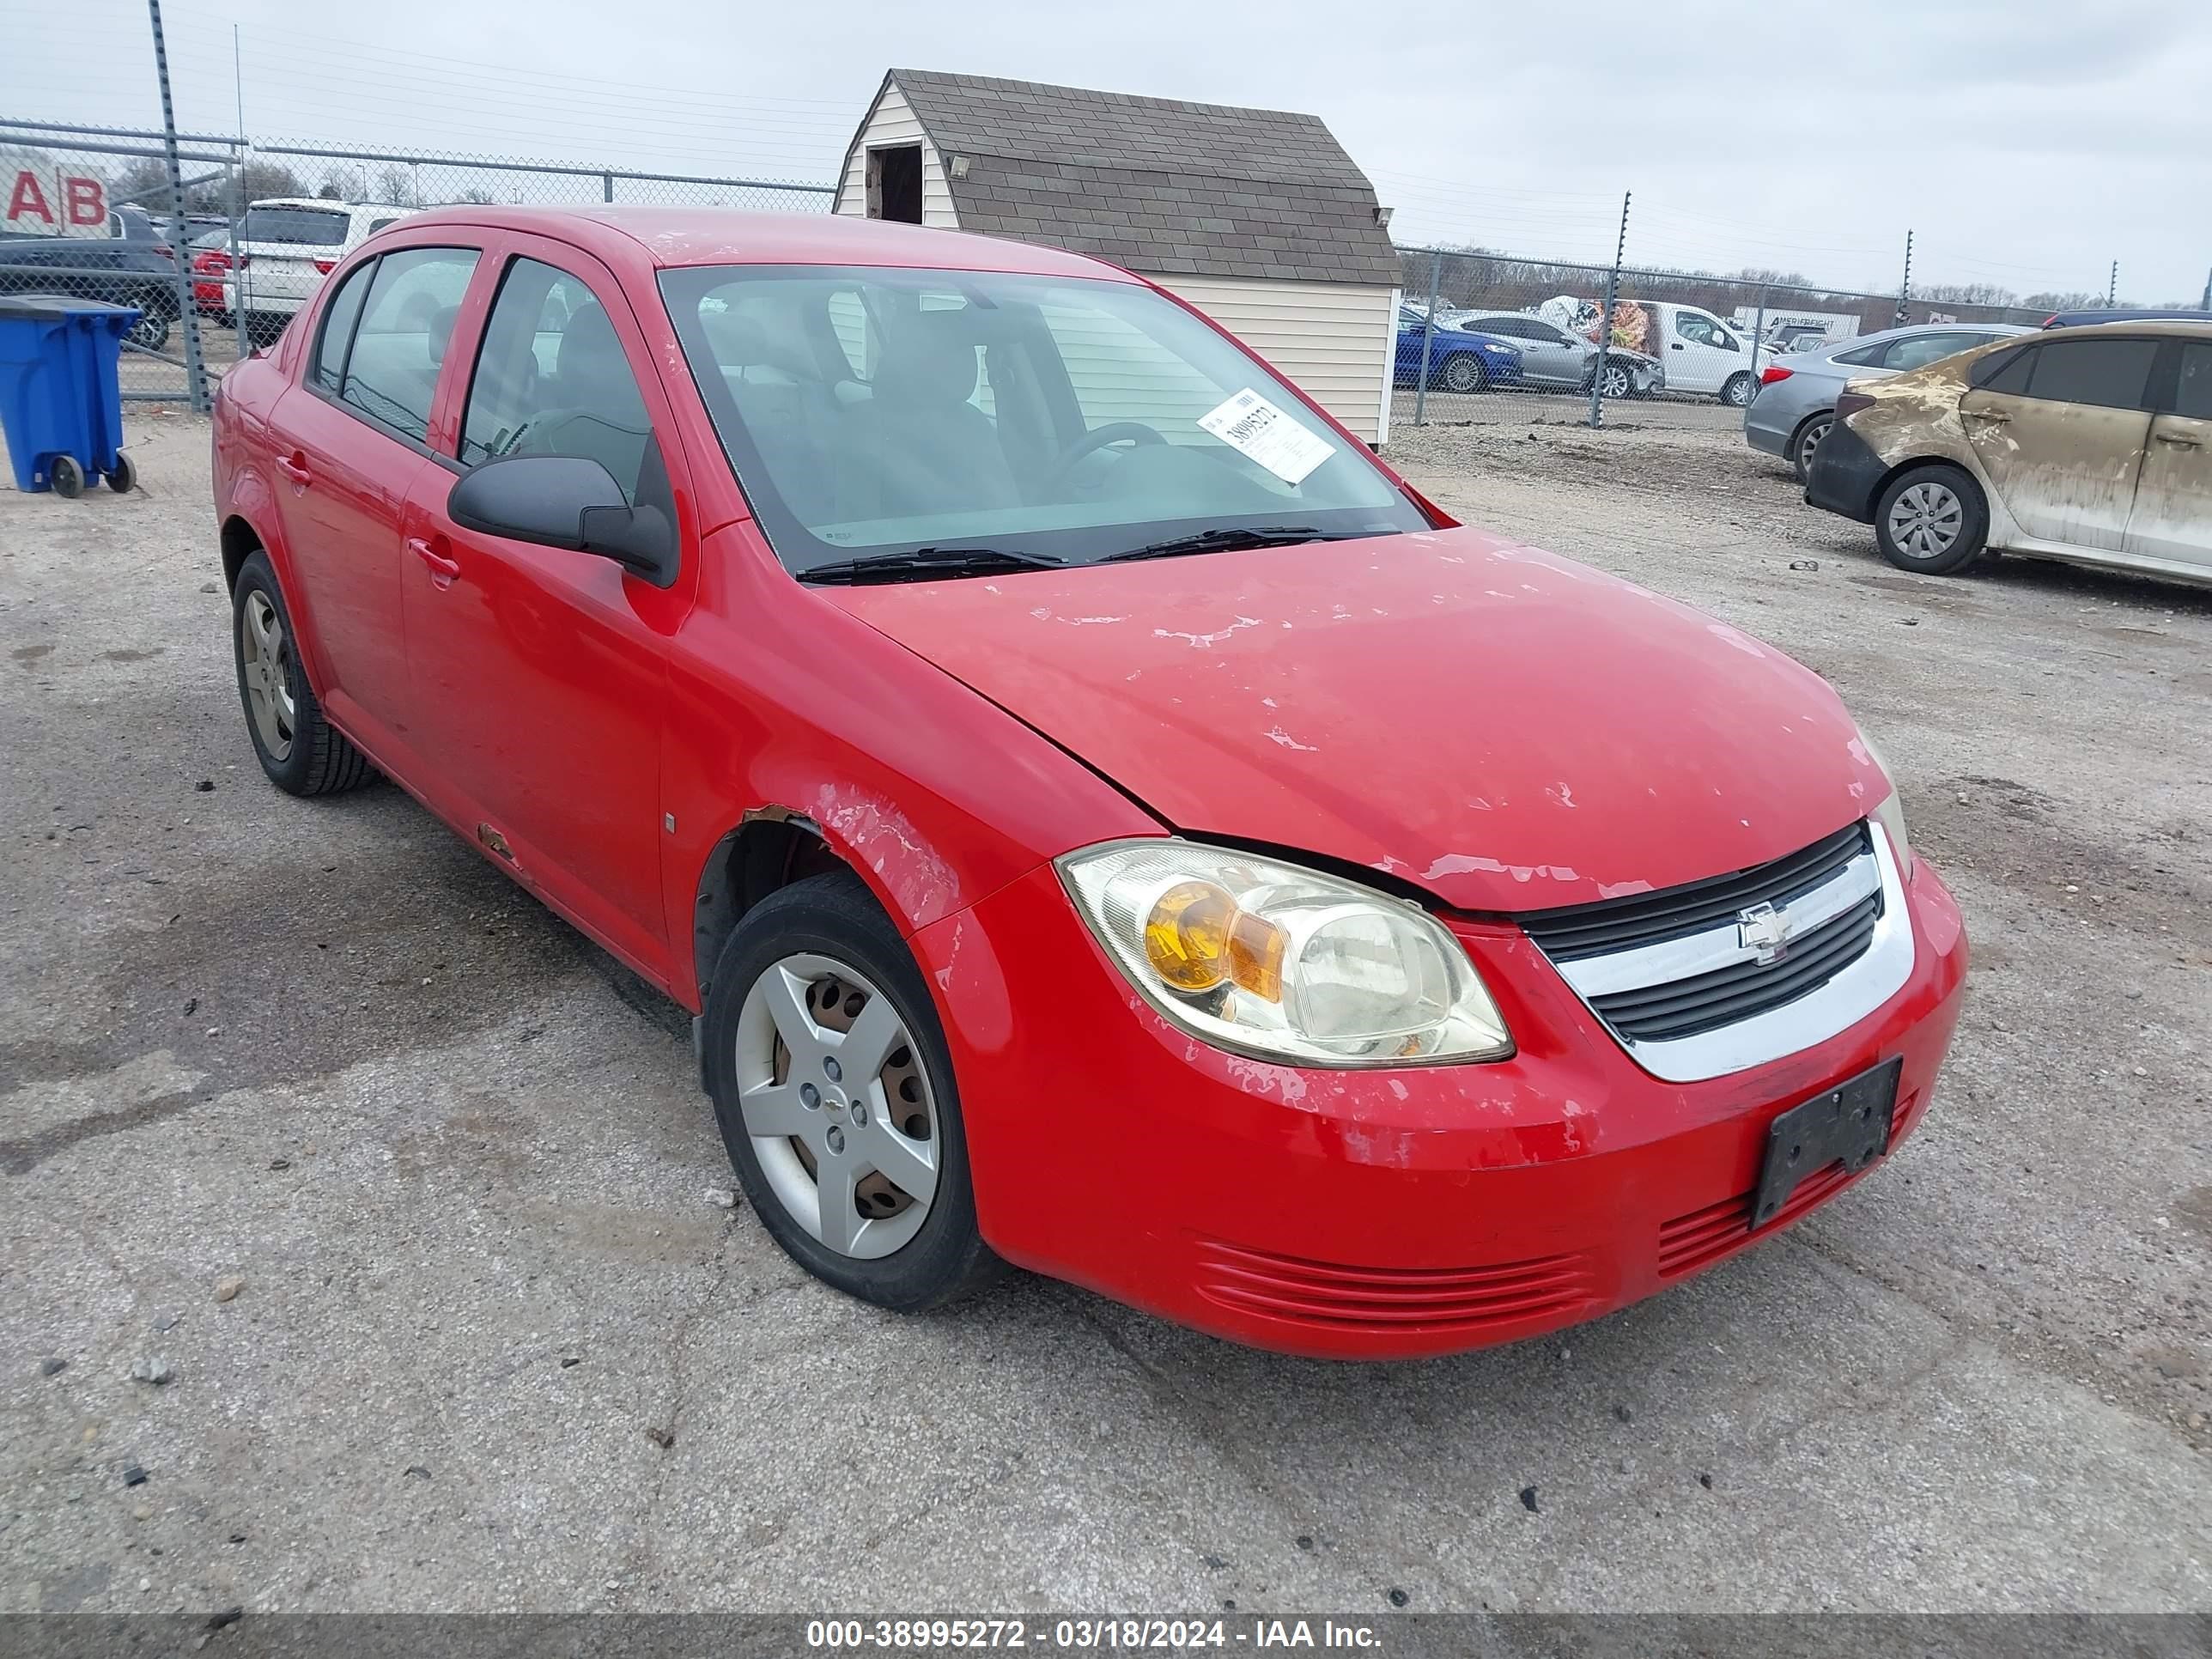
column 1154, row 183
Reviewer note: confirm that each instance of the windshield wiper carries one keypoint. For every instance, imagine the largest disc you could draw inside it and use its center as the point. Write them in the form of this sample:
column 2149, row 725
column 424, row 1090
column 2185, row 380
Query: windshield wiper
column 927, row 562
column 1224, row 540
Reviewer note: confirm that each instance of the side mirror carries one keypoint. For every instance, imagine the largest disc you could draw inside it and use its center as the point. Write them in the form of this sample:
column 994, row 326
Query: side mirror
column 566, row 501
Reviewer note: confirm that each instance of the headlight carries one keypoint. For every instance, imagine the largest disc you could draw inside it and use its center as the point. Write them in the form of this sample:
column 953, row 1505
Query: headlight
column 1267, row 959
column 1499, row 349
column 1890, row 813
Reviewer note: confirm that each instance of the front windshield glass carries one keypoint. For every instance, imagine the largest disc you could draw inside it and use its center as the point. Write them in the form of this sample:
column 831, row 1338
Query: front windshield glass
column 871, row 411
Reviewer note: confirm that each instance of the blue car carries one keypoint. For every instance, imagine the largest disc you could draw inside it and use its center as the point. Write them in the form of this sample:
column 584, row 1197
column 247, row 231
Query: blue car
column 1460, row 359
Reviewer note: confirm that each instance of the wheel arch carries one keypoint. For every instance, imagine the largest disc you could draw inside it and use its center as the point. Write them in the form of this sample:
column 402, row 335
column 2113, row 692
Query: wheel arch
column 1891, row 475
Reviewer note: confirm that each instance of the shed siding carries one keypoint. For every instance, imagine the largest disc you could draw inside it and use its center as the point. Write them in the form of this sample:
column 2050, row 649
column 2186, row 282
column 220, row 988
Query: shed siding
column 894, row 123
column 1324, row 337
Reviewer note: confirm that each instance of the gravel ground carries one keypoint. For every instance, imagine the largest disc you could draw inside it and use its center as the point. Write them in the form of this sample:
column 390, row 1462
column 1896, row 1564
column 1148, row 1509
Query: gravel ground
column 492, row 1344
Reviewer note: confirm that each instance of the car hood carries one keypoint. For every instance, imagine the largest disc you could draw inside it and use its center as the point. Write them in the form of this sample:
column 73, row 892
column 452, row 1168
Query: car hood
column 1504, row 728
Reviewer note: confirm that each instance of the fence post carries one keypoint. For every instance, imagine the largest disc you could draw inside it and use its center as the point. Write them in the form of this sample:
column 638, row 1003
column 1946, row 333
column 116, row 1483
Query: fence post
column 188, row 316
column 1428, row 337
column 2113, row 286
column 1905, row 288
column 1605, row 317
column 608, row 179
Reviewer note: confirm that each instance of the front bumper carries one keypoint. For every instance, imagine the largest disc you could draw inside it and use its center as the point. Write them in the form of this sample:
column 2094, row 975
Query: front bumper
column 1844, row 474
column 1371, row 1214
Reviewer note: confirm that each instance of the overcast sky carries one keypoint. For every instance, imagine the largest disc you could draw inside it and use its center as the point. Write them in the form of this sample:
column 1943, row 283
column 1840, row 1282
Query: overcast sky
column 2028, row 143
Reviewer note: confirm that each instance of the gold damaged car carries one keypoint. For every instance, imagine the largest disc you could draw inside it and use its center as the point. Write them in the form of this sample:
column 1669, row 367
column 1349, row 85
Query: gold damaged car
column 2089, row 445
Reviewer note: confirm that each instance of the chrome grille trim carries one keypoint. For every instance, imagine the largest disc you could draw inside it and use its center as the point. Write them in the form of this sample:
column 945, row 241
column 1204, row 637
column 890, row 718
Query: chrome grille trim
column 1852, row 993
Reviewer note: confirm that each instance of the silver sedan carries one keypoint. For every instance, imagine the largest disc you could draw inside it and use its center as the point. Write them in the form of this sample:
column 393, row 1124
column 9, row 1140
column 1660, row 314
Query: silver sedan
column 1795, row 402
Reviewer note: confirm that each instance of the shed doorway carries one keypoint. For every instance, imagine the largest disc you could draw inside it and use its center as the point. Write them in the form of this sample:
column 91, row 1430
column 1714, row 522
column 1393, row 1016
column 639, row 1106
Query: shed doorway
column 895, row 183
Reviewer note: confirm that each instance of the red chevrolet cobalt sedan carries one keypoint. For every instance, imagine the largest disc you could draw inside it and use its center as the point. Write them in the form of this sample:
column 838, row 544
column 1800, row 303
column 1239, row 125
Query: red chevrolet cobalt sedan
column 1103, row 819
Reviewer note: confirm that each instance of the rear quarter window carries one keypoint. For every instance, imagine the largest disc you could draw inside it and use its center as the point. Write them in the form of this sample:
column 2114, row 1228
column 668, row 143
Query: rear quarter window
column 2000, row 373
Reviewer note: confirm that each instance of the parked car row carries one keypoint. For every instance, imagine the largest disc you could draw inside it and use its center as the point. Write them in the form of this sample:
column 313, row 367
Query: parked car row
column 1656, row 346
column 131, row 266
column 2089, row 440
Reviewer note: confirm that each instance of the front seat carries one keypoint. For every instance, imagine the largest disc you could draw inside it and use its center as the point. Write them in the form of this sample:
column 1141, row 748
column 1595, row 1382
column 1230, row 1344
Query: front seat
column 595, row 410
column 917, row 446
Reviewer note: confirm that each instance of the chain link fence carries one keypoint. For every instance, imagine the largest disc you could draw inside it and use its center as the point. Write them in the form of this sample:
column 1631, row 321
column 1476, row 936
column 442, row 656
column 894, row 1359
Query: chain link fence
column 1486, row 336
column 90, row 213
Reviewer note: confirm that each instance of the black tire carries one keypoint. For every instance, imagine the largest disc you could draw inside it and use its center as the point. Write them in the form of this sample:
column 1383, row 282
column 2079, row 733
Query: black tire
column 1898, row 543
column 66, row 476
column 1735, row 391
column 836, row 917
column 122, row 477
column 1807, row 439
column 1463, row 371
column 319, row 761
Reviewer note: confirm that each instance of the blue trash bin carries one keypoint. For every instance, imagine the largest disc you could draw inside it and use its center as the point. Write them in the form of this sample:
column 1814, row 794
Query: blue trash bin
column 61, row 404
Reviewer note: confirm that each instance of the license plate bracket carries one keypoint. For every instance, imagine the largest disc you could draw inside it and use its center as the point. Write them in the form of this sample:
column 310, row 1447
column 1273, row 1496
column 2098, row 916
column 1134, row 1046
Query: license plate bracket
column 1851, row 1123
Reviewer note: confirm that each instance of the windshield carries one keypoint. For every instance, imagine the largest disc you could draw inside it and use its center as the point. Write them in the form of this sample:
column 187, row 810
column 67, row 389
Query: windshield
column 869, row 411
column 303, row 227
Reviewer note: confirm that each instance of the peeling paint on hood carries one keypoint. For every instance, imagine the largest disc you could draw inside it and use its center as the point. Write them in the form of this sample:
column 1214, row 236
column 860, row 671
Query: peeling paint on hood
column 1581, row 738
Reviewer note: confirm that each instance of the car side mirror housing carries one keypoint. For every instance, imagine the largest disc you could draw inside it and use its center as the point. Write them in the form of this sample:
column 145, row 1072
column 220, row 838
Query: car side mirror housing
column 569, row 502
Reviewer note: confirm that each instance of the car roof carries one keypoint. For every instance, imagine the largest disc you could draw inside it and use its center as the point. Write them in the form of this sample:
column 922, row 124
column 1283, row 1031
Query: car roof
column 674, row 237
column 2160, row 328
column 2090, row 314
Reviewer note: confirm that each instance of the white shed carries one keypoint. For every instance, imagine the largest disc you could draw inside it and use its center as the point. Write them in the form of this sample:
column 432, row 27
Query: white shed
column 1257, row 217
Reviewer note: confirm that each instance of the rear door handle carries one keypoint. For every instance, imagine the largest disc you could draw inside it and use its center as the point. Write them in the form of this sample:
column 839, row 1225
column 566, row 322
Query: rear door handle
column 2180, row 441
column 443, row 571
column 296, row 471
column 1997, row 416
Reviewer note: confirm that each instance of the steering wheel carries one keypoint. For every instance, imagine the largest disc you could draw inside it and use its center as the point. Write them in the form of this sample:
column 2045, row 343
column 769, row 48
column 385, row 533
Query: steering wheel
column 1114, row 432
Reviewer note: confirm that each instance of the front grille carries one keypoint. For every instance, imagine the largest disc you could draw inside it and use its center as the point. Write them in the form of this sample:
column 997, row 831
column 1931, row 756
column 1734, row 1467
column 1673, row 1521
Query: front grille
column 1705, row 1002
column 1623, row 924
column 1456, row 1298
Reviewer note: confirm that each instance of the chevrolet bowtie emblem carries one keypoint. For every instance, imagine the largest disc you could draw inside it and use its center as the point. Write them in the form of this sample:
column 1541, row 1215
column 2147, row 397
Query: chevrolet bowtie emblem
column 1763, row 928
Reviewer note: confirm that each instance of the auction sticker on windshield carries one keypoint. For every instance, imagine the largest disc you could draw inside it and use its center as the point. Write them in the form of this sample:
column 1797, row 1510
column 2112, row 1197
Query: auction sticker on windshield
column 1249, row 422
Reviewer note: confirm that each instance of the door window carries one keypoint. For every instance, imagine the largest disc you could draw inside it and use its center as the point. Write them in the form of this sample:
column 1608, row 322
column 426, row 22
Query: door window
column 338, row 318
column 391, row 372
column 2193, row 396
column 1703, row 330
column 2009, row 375
column 2109, row 374
column 552, row 379
column 1926, row 349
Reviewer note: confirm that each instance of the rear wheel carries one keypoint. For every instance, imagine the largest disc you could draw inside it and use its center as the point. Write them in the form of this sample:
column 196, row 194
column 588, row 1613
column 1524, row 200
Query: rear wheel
column 1932, row 519
column 302, row 753
column 833, row 1090
column 66, row 476
column 122, row 477
column 150, row 332
column 1464, row 373
column 1807, row 440
column 1735, row 391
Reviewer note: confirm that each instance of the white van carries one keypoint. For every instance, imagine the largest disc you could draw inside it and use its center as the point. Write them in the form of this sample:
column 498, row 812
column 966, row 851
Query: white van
column 286, row 246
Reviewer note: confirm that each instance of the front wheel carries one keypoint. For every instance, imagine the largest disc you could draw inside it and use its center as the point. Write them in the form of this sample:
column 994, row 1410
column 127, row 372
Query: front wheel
column 1735, row 391
column 1617, row 383
column 1464, row 373
column 150, row 332
column 834, row 1090
column 1931, row 519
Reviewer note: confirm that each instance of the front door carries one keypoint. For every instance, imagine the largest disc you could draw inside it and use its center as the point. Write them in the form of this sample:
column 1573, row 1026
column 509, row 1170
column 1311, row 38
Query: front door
column 349, row 451
column 540, row 686
column 2172, row 515
column 2060, row 432
column 1701, row 353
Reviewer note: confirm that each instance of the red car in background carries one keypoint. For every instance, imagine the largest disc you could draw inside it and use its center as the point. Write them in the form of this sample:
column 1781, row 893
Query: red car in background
column 210, row 263
column 1103, row 819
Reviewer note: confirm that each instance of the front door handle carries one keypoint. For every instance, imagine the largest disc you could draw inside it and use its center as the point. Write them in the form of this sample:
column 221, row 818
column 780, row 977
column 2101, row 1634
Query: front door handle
column 443, row 571
column 294, row 467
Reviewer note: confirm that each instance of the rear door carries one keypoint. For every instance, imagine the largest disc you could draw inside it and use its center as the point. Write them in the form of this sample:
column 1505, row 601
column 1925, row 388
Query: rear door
column 349, row 440
column 2060, row 431
column 2172, row 517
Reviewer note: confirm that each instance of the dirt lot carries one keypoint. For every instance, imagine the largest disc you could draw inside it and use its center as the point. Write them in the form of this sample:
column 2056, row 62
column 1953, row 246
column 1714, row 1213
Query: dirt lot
column 496, row 1346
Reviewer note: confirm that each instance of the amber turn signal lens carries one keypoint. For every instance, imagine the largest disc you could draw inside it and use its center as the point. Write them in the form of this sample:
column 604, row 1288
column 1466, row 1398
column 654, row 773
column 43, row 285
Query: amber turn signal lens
column 1187, row 935
column 1196, row 939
